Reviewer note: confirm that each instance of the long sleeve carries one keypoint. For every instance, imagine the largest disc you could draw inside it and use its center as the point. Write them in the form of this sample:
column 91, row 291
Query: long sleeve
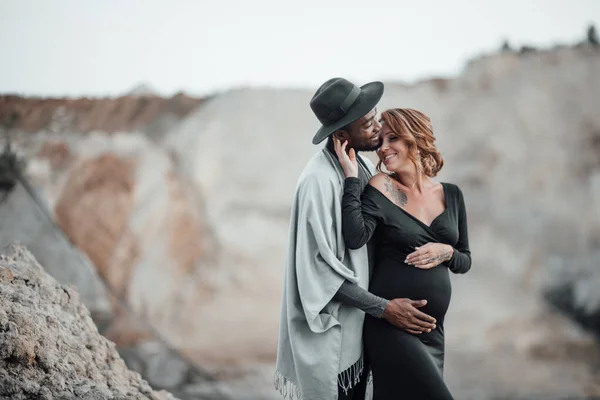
column 461, row 259
column 355, row 296
column 359, row 216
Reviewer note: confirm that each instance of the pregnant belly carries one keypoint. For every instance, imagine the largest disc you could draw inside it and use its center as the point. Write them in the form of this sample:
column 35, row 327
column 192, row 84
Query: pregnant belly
column 397, row 280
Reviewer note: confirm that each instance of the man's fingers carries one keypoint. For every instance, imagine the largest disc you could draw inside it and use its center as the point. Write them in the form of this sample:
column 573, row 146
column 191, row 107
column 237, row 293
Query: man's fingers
column 419, row 329
column 420, row 324
column 418, row 303
column 407, row 325
column 416, row 327
column 425, row 326
column 414, row 332
column 420, row 315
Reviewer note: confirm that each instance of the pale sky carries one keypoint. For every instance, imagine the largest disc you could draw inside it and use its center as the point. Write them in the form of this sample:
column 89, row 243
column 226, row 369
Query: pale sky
column 106, row 47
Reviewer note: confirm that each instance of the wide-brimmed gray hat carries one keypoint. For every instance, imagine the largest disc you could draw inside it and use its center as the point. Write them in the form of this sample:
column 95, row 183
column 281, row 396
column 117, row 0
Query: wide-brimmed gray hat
column 339, row 102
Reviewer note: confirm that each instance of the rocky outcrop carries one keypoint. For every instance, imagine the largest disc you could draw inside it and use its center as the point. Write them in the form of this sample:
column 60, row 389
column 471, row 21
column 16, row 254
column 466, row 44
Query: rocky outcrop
column 148, row 113
column 104, row 184
column 121, row 200
column 49, row 345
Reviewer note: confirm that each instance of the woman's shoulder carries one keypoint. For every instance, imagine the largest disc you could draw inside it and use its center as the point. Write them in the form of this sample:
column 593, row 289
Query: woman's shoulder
column 379, row 181
column 453, row 189
column 380, row 186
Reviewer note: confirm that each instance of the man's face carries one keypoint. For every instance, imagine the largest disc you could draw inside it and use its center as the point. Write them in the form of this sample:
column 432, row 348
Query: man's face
column 364, row 134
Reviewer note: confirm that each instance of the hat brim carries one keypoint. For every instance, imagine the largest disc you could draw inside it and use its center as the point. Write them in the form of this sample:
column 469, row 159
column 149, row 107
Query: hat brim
column 370, row 95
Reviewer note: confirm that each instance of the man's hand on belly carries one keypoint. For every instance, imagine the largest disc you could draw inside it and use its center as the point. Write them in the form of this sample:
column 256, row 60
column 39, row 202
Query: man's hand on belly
column 403, row 314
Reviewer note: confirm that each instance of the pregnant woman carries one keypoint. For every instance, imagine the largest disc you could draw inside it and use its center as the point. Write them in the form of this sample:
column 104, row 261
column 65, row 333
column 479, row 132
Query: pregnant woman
column 420, row 232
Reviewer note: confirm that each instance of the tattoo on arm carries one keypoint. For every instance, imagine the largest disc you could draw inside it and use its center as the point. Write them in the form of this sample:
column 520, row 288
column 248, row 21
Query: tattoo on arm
column 397, row 195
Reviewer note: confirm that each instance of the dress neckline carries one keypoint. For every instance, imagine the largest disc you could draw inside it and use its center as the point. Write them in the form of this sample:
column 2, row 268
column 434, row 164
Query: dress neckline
column 446, row 198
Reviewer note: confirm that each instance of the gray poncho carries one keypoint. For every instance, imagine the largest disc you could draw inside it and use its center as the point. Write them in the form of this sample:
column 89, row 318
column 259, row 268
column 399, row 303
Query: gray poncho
column 320, row 339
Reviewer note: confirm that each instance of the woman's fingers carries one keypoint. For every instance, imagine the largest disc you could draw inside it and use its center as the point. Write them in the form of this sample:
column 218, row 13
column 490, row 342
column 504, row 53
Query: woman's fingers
column 340, row 148
column 421, row 249
column 418, row 256
column 337, row 145
column 418, row 252
column 422, row 257
column 426, row 261
column 427, row 266
column 414, row 254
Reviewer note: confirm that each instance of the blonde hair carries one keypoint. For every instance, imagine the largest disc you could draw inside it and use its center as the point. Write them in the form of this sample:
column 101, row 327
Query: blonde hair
column 415, row 129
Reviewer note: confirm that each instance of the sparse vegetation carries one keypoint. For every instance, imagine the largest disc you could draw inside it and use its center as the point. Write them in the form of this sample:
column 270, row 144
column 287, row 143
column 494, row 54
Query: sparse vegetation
column 592, row 36
column 11, row 165
column 506, row 46
column 527, row 49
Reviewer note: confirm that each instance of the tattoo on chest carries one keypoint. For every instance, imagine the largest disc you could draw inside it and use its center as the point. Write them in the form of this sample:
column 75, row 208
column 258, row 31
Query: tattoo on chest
column 397, row 195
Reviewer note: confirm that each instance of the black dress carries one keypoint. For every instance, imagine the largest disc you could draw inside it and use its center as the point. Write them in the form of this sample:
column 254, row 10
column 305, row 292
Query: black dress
column 406, row 366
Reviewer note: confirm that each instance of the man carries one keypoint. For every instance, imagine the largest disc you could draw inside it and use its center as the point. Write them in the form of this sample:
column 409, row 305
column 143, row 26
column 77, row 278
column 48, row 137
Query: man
column 319, row 355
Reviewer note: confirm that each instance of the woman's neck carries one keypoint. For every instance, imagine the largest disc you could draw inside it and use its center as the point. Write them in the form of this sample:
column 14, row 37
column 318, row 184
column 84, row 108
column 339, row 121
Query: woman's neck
column 411, row 180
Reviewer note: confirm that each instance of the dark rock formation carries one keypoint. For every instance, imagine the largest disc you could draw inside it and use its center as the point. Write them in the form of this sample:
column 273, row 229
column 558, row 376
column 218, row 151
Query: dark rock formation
column 49, row 345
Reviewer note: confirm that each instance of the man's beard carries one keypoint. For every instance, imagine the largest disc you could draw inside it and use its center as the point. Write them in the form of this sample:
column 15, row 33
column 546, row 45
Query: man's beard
column 366, row 147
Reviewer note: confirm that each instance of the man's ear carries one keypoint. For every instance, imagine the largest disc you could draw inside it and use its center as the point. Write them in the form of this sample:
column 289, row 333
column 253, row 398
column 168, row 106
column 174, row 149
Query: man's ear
column 342, row 135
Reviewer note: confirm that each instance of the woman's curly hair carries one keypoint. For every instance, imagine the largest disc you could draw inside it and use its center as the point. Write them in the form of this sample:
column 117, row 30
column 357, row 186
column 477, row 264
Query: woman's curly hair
column 415, row 129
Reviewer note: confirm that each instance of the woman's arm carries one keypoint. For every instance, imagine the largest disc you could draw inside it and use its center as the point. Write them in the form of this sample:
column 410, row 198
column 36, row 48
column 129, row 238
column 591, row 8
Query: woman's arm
column 359, row 217
column 461, row 257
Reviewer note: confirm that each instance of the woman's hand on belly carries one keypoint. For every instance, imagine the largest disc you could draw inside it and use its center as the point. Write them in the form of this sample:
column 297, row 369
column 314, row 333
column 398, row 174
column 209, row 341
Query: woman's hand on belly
column 430, row 255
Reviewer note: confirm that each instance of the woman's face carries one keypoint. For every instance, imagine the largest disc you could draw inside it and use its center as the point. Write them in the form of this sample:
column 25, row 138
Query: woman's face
column 393, row 152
